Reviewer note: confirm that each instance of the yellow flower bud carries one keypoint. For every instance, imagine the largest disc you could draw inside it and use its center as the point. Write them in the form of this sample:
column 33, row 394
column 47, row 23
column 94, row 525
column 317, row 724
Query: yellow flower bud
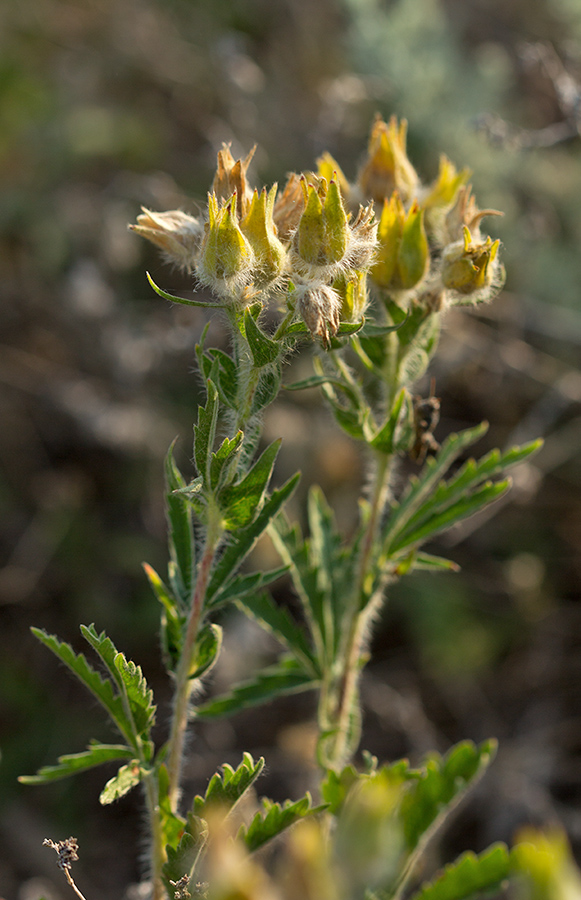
column 389, row 235
column 226, row 257
column 446, row 186
column 323, row 235
column 387, row 167
column 258, row 227
column 352, row 290
column 413, row 254
column 329, row 169
column 468, row 267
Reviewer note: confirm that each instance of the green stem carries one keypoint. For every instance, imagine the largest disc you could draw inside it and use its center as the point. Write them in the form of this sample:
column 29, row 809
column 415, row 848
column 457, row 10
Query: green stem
column 185, row 685
column 157, row 849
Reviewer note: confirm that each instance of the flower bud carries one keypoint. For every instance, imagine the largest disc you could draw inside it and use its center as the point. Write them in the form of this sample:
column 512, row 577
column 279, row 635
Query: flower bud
column 389, row 235
column 413, row 254
column 329, row 169
column 352, row 291
column 320, row 310
column 402, row 255
column 468, row 267
column 259, row 229
column 323, row 234
column 446, row 186
column 387, row 167
column 226, row 257
column 175, row 233
column 230, row 178
column 465, row 214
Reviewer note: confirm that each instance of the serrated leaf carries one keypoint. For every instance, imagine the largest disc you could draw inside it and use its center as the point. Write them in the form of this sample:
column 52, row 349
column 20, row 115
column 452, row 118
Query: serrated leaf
column 263, row 349
column 227, row 786
column 274, row 819
column 206, row 651
column 277, row 620
column 180, row 529
column 129, row 678
column 284, row 678
column 469, row 876
column 96, row 754
column 205, row 429
column 240, row 502
column 241, row 585
column 181, row 860
column 336, row 785
column 183, row 300
column 267, row 389
column 125, row 779
column 222, row 458
column 101, row 688
column 243, row 539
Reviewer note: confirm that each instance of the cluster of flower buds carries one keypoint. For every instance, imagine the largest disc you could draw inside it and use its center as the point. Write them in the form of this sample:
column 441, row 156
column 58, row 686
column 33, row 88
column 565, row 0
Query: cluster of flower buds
column 323, row 239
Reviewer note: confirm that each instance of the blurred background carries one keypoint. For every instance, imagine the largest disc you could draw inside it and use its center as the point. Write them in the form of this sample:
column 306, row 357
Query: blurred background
column 109, row 104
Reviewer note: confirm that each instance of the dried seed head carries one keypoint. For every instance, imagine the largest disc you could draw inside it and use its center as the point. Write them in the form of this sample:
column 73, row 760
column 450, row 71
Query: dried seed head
column 320, row 310
column 289, row 207
column 230, row 178
column 176, row 234
column 67, row 851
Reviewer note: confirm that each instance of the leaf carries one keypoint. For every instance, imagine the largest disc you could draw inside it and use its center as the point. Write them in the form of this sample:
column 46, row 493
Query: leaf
column 227, row 786
column 221, row 459
column 263, row 349
column 274, row 818
column 206, row 651
column 101, row 688
column 96, row 754
column 129, row 678
column 469, row 876
column 284, row 678
column 227, row 377
column 171, row 622
column 175, row 299
column 276, row 620
column 180, row 529
column 267, row 389
column 240, row 585
column 336, row 785
column 427, row 562
column 205, row 429
column 383, row 439
column 434, row 468
column 462, row 509
column 125, row 779
column 243, row 539
column 182, row 860
column 240, row 502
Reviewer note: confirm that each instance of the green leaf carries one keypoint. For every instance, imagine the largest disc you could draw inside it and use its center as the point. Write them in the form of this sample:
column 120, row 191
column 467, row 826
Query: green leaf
column 420, row 489
column 267, row 389
column 175, row 299
column 239, row 586
column 336, row 785
column 469, row 876
column 243, row 539
column 264, row 350
column 284, row 678
column 221, row 459
column 462, row 509
column 129, row 678
column 383, row 439
column 125, row 779
column 207, row 649
column 227, row 377
column 180, row 530
column 205, row 430
column 171, row 621
column 227, row 786
column 182, row 860
column 96, row 754
column 101, row 688
column 274, row 818
column 172, row 824
column 240, row 502
column 276, row 620
column 427, row 562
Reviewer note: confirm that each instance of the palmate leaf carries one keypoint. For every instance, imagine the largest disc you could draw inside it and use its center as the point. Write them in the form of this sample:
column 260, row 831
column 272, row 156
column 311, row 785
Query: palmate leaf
column 243, row 540
column 284, row 678
column 274, row 819
column 469, row 876
column 129, row 678
column 96, row 754
column 227, row 786
column 101, row 688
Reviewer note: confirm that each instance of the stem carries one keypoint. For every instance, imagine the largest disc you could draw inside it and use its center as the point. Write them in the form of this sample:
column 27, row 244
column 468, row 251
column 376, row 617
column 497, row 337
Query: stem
column 157, row 850
column 185, row 685
column 356, row 636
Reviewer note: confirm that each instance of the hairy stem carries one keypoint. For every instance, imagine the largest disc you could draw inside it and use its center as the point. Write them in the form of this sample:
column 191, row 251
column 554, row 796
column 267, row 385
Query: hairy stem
column 157, row 854
column 185, row 685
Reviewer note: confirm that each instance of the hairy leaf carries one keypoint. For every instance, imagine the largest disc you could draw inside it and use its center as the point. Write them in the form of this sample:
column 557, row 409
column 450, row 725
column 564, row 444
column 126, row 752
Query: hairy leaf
column 240, row 502
column 227, row 786
column 286, row 677
column 205, row 430
column 96, row 754
column 264, row 350
column 277, row 620
column 125, row 779
column 171, row 621
column 274, row 818
column 181, row 860
column 180, row 530
column 206, row 651
column 469, row 876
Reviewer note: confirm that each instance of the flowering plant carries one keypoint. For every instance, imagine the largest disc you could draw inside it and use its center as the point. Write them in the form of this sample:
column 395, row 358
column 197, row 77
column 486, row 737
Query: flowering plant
column 365, row 271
